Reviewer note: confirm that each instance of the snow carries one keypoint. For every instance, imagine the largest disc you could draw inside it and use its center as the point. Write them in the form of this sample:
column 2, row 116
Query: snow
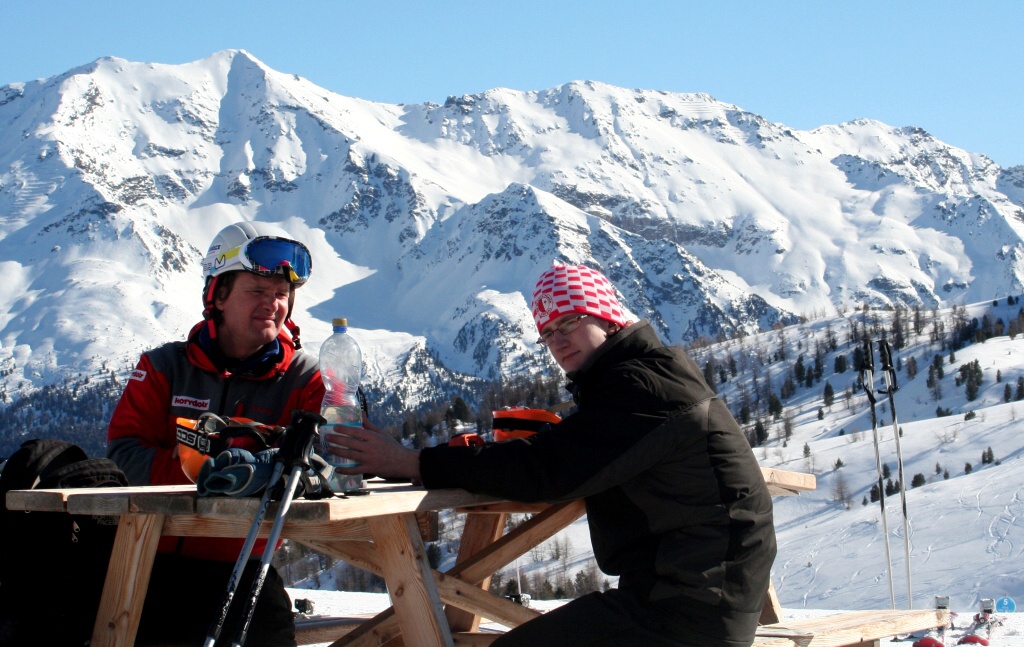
column 340, row 603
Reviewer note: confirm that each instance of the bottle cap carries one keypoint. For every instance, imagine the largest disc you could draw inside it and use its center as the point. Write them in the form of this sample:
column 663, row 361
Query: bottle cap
column 339, row 321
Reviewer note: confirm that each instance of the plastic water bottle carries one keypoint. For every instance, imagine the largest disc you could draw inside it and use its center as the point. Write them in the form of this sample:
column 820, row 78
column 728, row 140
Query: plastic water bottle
column 341, row 367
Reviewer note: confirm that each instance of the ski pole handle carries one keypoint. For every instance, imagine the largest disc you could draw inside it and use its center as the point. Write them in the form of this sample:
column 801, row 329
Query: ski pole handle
column 885, row 355
column 868, row 371
column 869, row 356
column 297, row 443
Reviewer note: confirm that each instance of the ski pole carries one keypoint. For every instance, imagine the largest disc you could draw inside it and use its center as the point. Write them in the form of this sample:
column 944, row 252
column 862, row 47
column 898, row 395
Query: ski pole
column 885, row 355
column 243, row 558
column 868, row 376
column 296, row 450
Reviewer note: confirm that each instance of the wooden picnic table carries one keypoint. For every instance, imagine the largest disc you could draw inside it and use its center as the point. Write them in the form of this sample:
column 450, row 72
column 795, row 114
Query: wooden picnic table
column 382, row 531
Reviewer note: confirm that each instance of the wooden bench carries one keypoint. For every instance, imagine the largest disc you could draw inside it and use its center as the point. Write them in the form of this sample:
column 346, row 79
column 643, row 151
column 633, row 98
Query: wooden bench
column 325, row 629
column 841, row 629
column 849, row 628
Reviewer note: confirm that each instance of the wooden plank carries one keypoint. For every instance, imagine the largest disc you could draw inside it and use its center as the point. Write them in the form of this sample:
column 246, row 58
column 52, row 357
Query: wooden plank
column 379, row 630
column 314, row 512
column 108, row 500
column 352, row 530
column 771, row 612
column 38, row 500
column 781, row 637
column 383, row 500
column 853, row 627
column 362, row 555
column 480, row 531
column 345, row 530
column 474, row 638
column 505, row 507
column 524, row 537
column 786, row 483
column 482, row 603
column 410, row 498
column 321, row 629
column 410, row 581
column 131, row 560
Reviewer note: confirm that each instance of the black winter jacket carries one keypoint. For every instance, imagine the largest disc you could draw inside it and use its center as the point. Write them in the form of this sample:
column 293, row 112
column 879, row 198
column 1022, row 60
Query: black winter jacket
column 675, row 499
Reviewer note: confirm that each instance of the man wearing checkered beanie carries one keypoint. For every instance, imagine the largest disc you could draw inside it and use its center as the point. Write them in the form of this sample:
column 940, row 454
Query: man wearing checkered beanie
column 675, row 499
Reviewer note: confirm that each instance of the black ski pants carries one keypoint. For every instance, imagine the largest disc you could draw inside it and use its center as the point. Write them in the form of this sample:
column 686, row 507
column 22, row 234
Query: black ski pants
column 185, row 597
column 614, row 618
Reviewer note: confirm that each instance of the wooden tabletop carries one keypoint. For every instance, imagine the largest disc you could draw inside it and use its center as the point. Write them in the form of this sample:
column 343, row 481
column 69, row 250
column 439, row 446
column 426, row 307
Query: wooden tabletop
column 383, row 499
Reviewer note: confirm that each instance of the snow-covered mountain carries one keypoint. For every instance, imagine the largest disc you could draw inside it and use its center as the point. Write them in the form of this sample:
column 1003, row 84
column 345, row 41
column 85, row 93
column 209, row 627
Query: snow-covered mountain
column 429, row 223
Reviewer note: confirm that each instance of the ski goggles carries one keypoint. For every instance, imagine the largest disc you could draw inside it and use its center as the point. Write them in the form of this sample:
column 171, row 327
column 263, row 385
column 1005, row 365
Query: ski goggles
column 270, row 255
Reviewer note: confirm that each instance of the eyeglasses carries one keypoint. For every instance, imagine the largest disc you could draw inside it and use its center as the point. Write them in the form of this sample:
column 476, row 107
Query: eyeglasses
column 565, row 328
column 270, row 255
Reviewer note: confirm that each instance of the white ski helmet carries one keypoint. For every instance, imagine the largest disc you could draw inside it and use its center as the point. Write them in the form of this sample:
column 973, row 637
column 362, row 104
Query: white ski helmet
column 259, row 248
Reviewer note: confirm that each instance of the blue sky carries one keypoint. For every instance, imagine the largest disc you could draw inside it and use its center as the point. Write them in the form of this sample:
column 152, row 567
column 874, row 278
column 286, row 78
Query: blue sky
column 955, row 69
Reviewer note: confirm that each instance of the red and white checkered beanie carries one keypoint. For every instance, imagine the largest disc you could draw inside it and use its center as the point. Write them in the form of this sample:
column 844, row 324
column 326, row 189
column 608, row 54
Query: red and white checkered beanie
column 569, row 289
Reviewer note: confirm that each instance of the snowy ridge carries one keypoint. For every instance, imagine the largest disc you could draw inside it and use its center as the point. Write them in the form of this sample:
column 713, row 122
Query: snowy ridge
column 429, row 223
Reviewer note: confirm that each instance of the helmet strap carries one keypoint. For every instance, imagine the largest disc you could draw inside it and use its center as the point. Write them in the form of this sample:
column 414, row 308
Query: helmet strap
column 208, row 300
column 293, row 328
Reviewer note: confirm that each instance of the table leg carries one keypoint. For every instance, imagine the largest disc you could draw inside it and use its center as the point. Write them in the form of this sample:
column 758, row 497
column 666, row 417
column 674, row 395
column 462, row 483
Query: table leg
column 771, row 612
column 124, row 591
column 455, row 593
column 411, row 585
column 480, row 531
column 393, row 555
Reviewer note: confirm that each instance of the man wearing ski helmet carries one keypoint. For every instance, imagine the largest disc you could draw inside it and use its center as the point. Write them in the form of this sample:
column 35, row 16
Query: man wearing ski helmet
column 676, row 503
column 242, row 360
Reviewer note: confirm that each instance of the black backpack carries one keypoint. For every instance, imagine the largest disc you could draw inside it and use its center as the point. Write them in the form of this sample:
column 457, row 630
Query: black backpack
column 52, row 564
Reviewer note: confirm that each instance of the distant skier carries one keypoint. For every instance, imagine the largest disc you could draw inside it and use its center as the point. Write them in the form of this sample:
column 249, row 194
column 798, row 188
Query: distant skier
column 676, row 502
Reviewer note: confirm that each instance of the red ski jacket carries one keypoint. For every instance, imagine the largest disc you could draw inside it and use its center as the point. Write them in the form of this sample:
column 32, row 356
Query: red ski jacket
column 180, row 379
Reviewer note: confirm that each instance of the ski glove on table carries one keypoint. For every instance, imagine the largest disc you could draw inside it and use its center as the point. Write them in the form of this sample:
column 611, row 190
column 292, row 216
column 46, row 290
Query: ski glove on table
column 240, row 473
column 236, row 472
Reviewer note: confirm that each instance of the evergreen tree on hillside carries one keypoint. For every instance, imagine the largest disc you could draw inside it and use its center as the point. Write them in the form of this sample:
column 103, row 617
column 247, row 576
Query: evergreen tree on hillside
column 74, row 410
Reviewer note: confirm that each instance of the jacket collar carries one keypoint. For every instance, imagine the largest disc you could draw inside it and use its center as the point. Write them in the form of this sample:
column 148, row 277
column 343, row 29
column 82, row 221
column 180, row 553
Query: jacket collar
column 636, row 336
column 204, row 352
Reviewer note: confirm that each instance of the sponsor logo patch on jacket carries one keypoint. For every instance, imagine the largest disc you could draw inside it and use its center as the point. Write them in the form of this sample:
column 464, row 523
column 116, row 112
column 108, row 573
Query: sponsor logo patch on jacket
column 137, row 375
column 190, row 402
